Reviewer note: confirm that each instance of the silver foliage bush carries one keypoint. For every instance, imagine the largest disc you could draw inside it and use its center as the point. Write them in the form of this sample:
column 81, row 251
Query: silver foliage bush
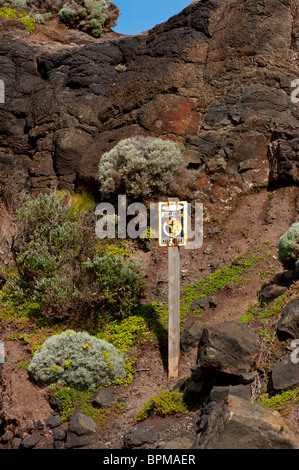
column 140, row 167
column 87, row 15
column 288, row 248
column 78, row 360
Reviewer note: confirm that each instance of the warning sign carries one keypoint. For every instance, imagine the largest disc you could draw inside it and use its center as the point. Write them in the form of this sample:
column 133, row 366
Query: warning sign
column 172, row 223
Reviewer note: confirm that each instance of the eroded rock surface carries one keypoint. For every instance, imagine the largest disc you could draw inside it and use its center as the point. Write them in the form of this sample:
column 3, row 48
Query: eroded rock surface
column 217, row 78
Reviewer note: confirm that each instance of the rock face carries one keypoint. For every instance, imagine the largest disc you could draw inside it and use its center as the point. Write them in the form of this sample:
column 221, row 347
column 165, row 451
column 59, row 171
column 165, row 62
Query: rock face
column 239, row 424
column 216, row 78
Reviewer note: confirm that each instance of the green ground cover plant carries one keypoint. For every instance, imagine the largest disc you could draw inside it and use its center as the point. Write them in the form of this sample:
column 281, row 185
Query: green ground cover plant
column 272, row 310
column 166, row 403
column 125, row 333
column 25, row 18
column 282, row 402
column 73, row 400
column 234, row 274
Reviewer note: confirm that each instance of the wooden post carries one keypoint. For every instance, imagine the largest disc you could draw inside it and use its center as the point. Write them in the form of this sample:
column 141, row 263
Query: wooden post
column 173, row 310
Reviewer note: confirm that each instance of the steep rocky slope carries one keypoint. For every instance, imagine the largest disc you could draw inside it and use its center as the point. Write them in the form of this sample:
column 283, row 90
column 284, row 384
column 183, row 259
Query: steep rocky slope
column 253, row 226
column 216, row 78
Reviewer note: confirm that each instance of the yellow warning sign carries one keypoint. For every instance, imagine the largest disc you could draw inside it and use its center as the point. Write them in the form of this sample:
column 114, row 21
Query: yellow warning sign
column 172, row 223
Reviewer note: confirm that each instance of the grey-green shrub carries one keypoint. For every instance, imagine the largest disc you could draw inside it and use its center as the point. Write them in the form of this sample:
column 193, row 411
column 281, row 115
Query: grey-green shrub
column 48, row 237
column 120, row 283
column 23, row 4
column 139, row 167
column 66, row 14
column 58, row 269
column 42, row 18
column 45, row 8
column 87, row 15
column 78, row 360
column 58, row 289
column 288, row 248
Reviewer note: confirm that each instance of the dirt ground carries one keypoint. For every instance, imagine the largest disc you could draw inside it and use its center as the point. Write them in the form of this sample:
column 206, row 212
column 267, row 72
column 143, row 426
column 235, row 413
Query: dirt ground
column 257, row 221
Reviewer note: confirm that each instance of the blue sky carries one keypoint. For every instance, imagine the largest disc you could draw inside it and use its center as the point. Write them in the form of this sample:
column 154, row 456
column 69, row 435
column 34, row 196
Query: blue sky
column 141, row 15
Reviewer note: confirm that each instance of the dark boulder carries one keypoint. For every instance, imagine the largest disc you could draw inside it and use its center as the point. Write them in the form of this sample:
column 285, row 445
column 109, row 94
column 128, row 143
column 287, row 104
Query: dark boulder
column 191, row 335
column 284, row 376
column 102, row 398
column 230, row 347
column 81, row 431
column 239, row 424
column 288, row 324
column 54, row 421
column 270, row 292
column 137, row 436
column 30, row 441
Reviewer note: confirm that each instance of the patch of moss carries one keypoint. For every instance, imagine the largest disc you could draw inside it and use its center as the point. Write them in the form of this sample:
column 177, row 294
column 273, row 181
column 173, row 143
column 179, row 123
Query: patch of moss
column 124, row 333
column 76, row 202
column 73, row 400
column 282, row 402
column 166, row 403
column 233, row 274
column 250, row 312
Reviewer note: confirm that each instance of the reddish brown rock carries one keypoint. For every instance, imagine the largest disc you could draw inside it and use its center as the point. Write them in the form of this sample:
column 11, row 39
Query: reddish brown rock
column 215, row 78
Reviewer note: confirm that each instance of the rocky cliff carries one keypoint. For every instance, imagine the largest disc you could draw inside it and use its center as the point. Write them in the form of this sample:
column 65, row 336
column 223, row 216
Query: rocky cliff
column 216, row 78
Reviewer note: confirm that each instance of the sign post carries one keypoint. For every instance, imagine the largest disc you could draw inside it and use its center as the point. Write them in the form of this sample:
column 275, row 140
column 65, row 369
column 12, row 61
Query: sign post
column 173, row 311
column 173, row 233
